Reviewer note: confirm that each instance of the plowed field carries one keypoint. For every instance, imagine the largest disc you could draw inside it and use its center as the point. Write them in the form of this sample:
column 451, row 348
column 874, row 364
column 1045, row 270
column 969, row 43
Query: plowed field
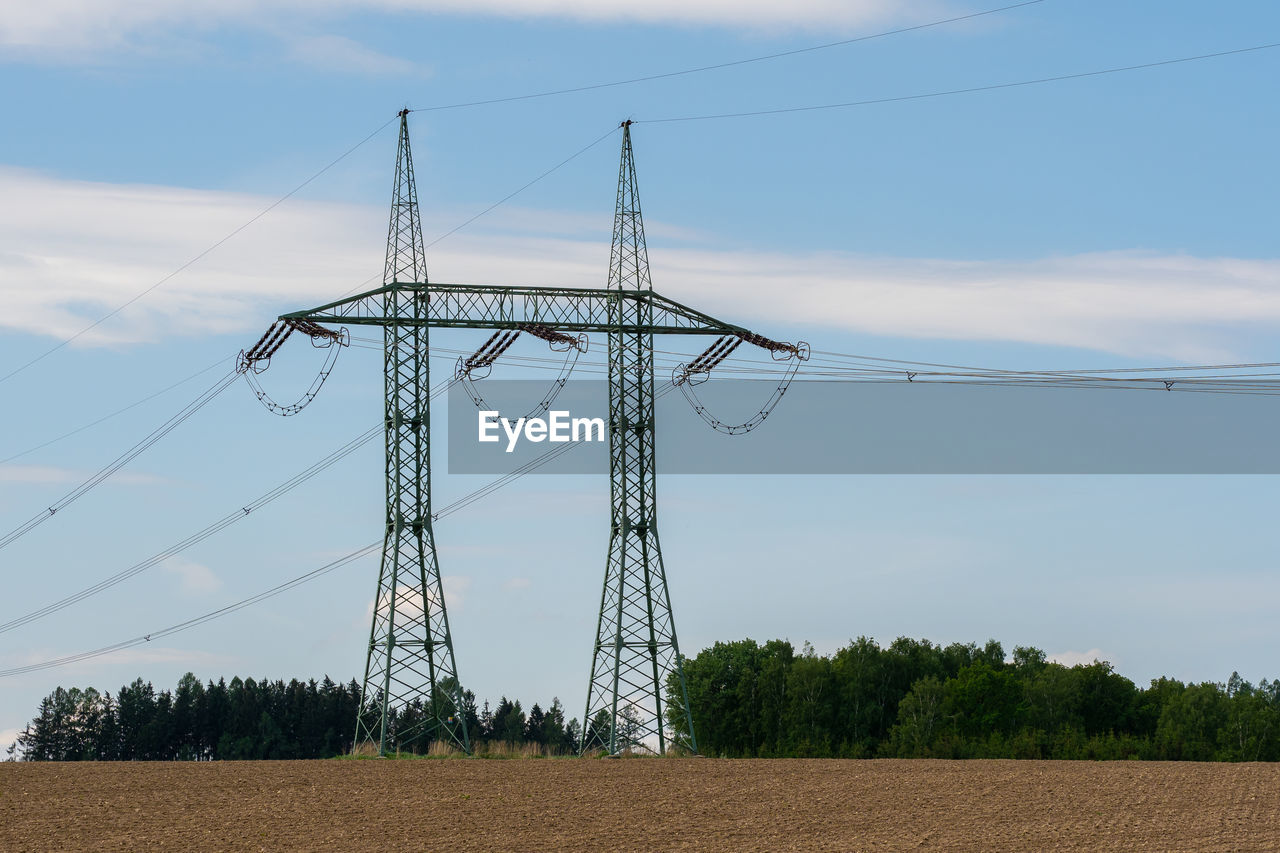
column 639, row 804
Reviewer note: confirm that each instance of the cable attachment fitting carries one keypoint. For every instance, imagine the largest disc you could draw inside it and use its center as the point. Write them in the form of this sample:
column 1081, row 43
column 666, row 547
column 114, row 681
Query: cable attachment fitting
column 699, row 370
column 483, row 358
column 780, row 350
column 468, row 370
column 685, row 376
column 257, row 358
column 558, row 341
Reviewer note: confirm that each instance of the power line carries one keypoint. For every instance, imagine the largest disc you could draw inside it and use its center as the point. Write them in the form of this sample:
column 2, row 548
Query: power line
column 239, row 514
column 731, row 64
column 467, row 500
column 966, row 91
column 120, row 461
column 449, row 509
column 198, row 537
column 119, row 411
column 198, row 257
column 512, row 195
column 199, row 620
column 844, row 367
column 495, row 205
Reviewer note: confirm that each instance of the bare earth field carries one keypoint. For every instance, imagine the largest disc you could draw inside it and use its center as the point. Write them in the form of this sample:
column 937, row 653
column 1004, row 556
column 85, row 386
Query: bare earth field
column 640, row 804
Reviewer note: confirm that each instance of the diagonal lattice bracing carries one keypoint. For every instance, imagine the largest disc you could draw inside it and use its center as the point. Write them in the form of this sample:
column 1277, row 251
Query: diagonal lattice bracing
column 636, row 656
column 636, row 695
column 411, row 686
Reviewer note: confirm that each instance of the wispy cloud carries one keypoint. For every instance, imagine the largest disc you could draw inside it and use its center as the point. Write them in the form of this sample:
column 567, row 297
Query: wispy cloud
column 196, row 579
column 7, row 736
column 1075, row 658
column 455, row 591
column 409, row 603
column 143, row 654
column 87, row 247
column 339, row 53
column 77, row 29
column 50, row 475
column 517, row 583
column 36, row 474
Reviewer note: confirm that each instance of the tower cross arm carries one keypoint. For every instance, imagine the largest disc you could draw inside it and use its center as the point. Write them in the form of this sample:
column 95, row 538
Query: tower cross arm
column 567, row 309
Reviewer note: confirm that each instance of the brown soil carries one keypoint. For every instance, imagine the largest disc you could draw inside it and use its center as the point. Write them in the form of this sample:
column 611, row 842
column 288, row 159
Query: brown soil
column 640, row 804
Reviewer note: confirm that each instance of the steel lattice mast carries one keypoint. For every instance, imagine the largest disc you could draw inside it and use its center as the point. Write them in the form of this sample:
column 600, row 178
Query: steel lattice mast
column 635, row 651
column 635, row 659
column 410, row 669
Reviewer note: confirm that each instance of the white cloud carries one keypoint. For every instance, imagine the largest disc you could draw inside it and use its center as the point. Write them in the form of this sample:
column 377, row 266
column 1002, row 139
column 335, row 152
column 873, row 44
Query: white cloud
column 799, row 14
column 196, row 578
column 36, row 474
column 50, row 475
column 83, row 248
column 455, row 591
column 145, row 653
column 517, row 583
column 75, row 28
column 409, row 602
column 7, row 737
column 1075, row 658
column 330, row 53
column 160, row 654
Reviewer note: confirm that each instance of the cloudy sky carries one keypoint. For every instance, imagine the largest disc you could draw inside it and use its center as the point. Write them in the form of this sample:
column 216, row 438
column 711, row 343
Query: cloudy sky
column 1120, row 220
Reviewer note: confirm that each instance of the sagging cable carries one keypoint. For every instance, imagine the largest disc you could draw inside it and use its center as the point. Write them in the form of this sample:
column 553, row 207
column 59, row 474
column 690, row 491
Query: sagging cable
column 257, row 359
column 685, row 376
column 499, row 342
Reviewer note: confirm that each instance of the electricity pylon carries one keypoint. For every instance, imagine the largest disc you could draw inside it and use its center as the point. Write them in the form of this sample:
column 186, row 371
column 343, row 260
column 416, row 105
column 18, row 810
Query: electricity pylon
column 635, row 650
column 410, row 646
column 635, row 656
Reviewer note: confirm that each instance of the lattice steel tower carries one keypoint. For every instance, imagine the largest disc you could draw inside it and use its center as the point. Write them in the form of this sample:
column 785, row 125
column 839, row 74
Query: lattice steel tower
column 410, row 668
column 635, row 650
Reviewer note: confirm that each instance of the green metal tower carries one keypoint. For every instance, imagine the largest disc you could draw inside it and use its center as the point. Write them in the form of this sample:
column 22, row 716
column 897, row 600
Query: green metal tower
column 410, row 668
column 635, row 651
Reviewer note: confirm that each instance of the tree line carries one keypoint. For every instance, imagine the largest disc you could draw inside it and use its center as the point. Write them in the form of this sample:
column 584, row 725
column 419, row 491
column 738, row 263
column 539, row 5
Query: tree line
column 248, row 719
column 911, row 699
column 915, row 699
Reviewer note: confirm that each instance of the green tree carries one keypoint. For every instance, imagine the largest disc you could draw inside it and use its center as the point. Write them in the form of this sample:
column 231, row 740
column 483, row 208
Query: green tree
column 1190, row 722
column 920, row 719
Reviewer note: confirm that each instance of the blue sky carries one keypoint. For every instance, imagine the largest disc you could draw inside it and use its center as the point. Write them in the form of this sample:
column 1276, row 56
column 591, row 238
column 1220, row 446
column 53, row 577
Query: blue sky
column 1117, row 220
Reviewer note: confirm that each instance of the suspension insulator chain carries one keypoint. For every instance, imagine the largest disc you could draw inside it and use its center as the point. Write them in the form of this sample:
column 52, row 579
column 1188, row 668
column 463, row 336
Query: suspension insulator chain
column 711, row 356
column 559, row 341
column 685, row 376
column 257, row 358
column 482, row 360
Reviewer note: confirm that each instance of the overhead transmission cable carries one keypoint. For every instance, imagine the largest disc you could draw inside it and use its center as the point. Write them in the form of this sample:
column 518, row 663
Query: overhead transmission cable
column 218, row 526
column 195, row 538
column 965, row 91
column 566, row 161
column 120, row 461
column 119, row 411
column 447, row 510
column 217, row 244
column 833, row 367
column 730, row 64
column 199, row 620
column 467, row 500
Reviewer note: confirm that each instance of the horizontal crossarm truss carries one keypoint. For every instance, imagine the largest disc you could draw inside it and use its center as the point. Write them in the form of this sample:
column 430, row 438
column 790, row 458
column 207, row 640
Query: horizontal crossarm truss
column 565, row 309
